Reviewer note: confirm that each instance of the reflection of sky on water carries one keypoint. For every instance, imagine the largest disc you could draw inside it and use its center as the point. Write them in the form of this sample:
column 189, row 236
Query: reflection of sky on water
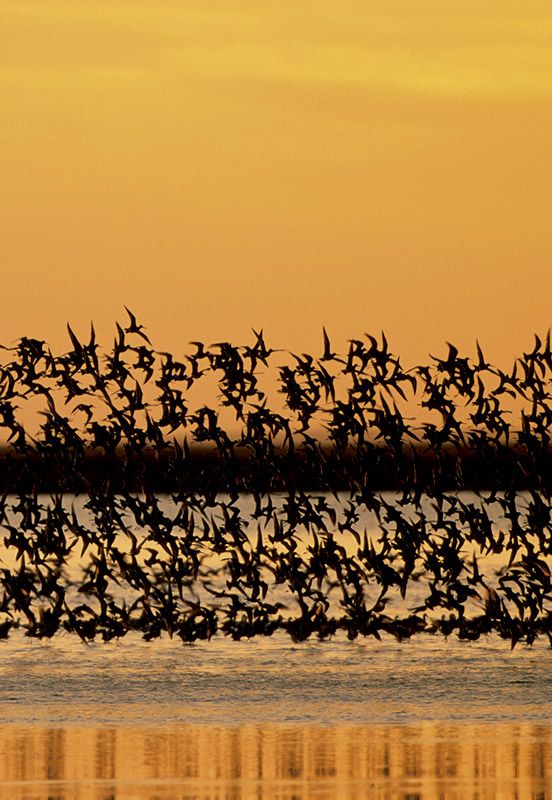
column 421, row 761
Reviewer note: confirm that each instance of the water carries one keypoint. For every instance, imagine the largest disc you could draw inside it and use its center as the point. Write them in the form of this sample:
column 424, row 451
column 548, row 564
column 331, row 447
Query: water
column 428, row 719
column 270, row 719
column 425, row 761
column 272, row 681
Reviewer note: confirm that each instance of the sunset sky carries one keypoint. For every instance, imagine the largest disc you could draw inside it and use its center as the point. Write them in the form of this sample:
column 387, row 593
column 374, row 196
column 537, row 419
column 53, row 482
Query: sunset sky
column 217, row 166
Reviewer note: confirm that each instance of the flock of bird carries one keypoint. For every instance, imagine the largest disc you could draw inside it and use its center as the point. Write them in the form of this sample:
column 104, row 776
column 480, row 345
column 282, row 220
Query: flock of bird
column 261, row 548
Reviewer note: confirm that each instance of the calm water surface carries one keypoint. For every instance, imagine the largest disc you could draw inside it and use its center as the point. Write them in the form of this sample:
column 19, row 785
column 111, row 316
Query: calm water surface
column 268, row 719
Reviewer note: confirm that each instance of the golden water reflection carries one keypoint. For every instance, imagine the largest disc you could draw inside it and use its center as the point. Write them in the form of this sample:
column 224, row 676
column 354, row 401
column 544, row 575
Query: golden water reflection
column 425, row 761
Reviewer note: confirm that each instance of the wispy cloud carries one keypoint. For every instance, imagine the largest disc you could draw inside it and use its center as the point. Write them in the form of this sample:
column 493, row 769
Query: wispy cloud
column 481, row 48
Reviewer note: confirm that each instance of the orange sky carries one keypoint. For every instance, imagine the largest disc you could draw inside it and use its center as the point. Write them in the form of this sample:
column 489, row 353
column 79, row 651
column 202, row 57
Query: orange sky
column 221, row 165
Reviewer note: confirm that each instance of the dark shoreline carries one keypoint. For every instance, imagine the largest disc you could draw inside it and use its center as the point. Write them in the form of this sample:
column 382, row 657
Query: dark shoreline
column 239, row 469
